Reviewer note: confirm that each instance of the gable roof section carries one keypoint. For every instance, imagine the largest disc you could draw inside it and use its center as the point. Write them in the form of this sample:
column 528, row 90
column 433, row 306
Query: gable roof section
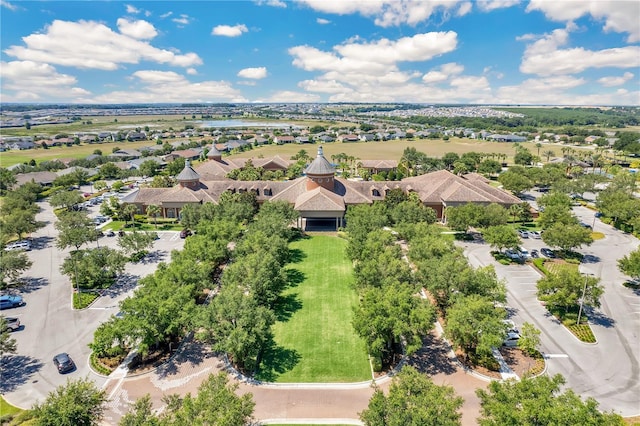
column 319, row 199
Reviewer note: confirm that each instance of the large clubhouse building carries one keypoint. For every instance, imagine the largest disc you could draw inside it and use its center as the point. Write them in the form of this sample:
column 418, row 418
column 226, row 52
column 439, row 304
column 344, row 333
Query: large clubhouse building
column 319, row 196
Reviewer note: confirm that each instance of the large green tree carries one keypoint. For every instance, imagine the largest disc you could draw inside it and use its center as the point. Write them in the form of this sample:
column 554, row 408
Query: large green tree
column 413, row 400
column 7, row 343
column 475, row 325
column 12, row 264
column 74, row 230
column 567, row 236
column 501, row 237
column 390, row 315
column 216, row 403
column 78, row 403
column 238, row 326
column 565, row 287
column 539, row 401
column 66, row 199
column 630, row 264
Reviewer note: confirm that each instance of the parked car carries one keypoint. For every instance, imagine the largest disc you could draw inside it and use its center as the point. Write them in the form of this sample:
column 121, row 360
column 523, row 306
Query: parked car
column 536, row 235
column 585, row 225
column 535, row 254
column 23, row 245
column 12, row 323
column 512, row 328
column 598, row 214
column 523, row 234
column 110, row 233
column 10, row 301
column 63, row 363
column 512, row 339
column 185, row 233
column 547, row 252
column 524, row 253
column 514, row 255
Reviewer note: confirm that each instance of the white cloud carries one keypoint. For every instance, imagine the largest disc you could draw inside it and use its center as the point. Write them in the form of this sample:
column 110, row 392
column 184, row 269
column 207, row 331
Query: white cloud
column 153, row 86
column 556, row 91
column 273, row 3
column 619, row 16
column 28, row 80
column 132, row 9
column 229, row 31
column 152, row 76
column 253, row 73
column 464, row 8
column 101, row 48
column 543, row 57
column 12, row 7
column 288, row 96
column 386, row 13
column 615, row 80
column 369, row 71
column 489, row 5
column 192, row 71
column 443, row 73
column 140, row 29
column 323, row 21
column 166, row 15
column 182, row 20
column 324, row 86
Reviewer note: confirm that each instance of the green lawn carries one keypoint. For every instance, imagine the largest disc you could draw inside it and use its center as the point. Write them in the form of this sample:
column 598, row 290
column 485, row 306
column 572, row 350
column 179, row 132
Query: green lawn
column 315, row 341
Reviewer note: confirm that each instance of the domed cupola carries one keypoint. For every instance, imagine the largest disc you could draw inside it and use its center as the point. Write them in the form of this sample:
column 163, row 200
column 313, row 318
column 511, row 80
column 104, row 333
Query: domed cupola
column 188, row 178
column 320, row 173
column 214, row 154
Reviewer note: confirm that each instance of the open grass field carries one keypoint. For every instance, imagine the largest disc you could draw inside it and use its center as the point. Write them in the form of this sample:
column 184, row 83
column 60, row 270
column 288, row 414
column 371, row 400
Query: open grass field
column 314, row 336
column 10, row 158
column 392, row 150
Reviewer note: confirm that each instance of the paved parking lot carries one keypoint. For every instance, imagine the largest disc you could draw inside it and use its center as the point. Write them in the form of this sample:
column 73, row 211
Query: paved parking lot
column 609, row 370
column 51, row 326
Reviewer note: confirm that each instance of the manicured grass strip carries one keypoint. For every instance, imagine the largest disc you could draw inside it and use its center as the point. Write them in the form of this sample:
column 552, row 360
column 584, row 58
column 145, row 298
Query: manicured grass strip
column 317, row 343
column 556, row 266
column 6, row 408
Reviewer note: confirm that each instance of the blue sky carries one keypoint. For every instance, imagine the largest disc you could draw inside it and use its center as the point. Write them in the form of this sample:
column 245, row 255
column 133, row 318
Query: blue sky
column 541, row 52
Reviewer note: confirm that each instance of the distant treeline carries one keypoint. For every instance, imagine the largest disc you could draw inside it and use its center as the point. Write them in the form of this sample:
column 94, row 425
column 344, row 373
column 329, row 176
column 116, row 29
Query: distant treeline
column 537, row 118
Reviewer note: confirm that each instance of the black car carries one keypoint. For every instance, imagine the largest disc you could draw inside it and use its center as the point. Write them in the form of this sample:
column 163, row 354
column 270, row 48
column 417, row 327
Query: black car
column 547, row 252
column 185, row 233
column 535, row 254
column 63, row 363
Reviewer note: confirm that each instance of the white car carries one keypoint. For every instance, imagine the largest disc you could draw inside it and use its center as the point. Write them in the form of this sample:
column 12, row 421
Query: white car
column 535, row 235
column 524, row 253
column 23, row 245
column 512, row 339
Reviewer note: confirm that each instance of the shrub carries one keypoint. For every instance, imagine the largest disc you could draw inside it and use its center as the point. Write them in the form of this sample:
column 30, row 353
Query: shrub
column 82, row 300
column 376, row 363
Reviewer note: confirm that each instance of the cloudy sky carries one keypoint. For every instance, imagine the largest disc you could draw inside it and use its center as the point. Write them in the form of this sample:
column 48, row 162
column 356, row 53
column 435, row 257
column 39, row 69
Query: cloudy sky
column 567, row 52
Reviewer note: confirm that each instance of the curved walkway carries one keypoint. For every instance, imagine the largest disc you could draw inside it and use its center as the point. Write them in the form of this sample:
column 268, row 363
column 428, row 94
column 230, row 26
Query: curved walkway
column 293, row 403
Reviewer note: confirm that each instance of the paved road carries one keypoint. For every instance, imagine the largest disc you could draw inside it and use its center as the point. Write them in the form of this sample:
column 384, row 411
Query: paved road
column 609, row 370
column 50, row 325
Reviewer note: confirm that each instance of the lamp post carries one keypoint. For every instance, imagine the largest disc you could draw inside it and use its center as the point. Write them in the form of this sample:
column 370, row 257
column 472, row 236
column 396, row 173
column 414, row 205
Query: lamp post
column 584, row 291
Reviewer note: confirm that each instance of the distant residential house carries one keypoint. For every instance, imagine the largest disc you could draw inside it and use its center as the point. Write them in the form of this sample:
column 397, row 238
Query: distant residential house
column 303, row 139
column 136, row 136
column 126, row 154
column 377, row 166
column 21, row 145
column 348, row 138
column 105, row 136
column 187, row 154
column 284, row 139
column 366, row 137
column 69, row 170
column 325, row 139
column 137, row 162
column 507, row 138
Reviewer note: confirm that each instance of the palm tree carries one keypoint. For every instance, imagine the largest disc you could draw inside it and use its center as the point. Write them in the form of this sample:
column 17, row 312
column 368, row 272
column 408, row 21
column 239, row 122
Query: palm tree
column 549, row 153
column 154, row 210
column 538, row 145
column 129, row 213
